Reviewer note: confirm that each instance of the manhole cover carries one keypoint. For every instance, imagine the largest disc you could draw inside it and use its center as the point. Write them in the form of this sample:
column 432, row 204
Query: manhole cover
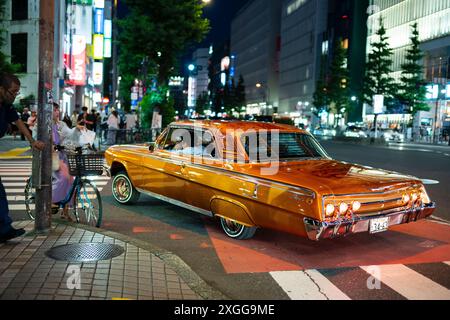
column 85, row 252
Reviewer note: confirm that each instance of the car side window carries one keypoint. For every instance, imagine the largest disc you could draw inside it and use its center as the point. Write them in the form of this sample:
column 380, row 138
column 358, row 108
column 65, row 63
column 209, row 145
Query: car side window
column 177, row 139
column 188, row 142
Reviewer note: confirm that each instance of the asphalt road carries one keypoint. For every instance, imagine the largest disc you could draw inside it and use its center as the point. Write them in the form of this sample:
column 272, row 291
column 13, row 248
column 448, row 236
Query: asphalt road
column 425, row 162
column 275, row 265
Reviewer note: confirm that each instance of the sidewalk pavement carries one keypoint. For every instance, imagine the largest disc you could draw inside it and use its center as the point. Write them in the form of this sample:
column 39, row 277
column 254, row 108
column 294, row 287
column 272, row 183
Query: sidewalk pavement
column 142, row 272
column 11, row 148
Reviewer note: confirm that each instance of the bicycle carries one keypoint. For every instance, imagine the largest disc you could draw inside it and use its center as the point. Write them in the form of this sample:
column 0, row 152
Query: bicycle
column 86, row 200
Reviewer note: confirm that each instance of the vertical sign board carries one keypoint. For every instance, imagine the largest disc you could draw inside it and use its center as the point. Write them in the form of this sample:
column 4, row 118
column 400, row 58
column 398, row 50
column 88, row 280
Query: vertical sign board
column 77, row 76
column 82, row 21
column 98, row 21
column 98, row 46
column 107, row 49
column 108, row 29
column 97, row 73
column 99, row 4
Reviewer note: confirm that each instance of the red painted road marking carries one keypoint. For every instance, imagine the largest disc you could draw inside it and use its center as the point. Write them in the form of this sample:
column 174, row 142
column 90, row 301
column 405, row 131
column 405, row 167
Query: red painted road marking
column 175, row 236
column 142, row 230
column 415, row 243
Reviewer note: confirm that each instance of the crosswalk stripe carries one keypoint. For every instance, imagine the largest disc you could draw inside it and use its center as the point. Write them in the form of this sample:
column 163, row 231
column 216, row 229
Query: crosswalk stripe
column 14, row 178
column 410, row 284
column 15, row 184
column 307, row 285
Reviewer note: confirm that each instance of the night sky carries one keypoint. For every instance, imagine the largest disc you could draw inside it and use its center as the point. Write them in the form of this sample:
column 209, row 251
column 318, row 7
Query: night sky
column 220, row 13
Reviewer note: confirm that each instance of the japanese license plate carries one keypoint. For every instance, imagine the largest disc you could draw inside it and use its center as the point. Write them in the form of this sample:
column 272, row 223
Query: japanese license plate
column 379, row 225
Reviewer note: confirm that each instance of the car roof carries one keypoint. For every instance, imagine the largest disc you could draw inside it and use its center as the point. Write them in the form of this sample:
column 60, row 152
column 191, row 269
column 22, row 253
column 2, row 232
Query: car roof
column 224, row 125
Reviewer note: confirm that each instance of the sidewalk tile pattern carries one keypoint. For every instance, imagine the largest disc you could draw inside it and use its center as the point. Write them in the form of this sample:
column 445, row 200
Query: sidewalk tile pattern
column 27, row 273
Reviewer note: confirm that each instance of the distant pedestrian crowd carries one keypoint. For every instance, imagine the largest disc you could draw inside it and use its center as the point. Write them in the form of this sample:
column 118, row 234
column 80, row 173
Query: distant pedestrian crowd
column 108, row 126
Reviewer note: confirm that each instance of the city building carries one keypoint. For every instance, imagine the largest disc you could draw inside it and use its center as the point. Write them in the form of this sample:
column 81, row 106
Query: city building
column 255, row 50
column 219, row 73
column 433, row 19
column 21, row 23
column 198, row 79
column 347, row 22
column 303, row 25
column 82, row 40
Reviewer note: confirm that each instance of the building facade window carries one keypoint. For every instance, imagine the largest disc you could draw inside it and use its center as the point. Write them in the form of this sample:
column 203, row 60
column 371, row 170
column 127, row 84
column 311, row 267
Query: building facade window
column 19, row 50
column 19, row 10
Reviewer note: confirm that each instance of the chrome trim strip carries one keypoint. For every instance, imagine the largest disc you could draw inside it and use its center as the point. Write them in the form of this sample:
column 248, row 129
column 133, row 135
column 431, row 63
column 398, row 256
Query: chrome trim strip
column 381, row 201
column 371, row 194
column 176, row 202
column 256, row 180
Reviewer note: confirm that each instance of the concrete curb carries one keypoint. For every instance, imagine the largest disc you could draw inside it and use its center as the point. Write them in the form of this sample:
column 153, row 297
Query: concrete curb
column 197, row 284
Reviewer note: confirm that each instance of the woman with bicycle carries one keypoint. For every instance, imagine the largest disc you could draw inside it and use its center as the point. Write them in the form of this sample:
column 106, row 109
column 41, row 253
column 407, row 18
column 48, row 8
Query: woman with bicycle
column 63, row 137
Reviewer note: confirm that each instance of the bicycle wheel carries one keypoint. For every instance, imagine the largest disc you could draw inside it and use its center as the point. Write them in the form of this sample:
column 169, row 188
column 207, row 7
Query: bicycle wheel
column 30, row 197
column 88, row 204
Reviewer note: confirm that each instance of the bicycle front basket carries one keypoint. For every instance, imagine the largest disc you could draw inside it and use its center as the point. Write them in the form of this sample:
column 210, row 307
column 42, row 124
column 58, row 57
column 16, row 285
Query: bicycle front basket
column 86, row 164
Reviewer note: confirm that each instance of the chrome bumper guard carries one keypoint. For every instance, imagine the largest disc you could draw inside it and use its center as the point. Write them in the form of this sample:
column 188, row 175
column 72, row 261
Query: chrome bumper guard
column 318, row 230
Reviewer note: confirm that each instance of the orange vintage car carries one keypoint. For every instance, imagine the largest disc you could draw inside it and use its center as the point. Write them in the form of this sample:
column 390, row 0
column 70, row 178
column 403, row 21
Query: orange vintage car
column 254, row 175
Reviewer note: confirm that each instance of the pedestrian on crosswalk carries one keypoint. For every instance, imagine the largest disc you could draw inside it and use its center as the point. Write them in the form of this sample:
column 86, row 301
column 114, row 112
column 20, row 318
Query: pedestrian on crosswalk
column 9, row 90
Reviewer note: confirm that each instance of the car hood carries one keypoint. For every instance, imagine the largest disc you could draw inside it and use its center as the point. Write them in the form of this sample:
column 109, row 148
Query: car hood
column 335, row 177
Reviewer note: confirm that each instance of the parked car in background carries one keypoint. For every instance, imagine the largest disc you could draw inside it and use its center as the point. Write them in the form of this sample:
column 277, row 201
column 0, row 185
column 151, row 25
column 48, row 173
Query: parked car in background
column 354, row 132
column 388, row 135
column 192, row 164
column 324, row 132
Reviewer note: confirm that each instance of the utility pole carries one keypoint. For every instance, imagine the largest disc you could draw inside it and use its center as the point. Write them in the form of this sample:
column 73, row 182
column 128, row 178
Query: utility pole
column 114, row 54
column 42, row 165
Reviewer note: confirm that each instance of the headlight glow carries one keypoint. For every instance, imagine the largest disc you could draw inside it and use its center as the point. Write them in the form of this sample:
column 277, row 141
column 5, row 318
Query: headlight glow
column 406, row 198
column 329, row 210
column 343, row 207
column 356, row 206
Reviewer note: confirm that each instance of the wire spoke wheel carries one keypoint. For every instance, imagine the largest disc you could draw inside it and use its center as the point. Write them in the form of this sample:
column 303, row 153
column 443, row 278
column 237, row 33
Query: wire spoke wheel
column 88, row 204
column 236, row 230
column 123, row 190
column 30, row 199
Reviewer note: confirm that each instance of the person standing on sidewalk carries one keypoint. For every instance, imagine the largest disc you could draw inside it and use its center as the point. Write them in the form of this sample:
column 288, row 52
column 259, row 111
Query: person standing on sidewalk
column 9, row 89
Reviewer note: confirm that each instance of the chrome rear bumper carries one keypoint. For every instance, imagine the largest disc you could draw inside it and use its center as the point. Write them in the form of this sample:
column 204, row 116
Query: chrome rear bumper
column 318, row 230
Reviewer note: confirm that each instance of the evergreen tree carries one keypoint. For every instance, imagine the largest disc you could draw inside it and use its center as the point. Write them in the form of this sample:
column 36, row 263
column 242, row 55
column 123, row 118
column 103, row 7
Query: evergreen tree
column 321, row 99
column 157, row 32
column 229, row 101
column 202, row 103
column 338, row 87
column 378, row 69
column 241, row 100
column 413, row 92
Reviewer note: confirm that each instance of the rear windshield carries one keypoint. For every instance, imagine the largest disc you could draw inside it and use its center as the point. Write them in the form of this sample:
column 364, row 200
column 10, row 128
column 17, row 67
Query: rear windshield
column 284, row 146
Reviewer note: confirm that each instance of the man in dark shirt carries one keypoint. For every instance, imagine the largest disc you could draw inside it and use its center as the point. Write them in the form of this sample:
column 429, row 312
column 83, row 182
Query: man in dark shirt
column 9, row 89
column 84, row 119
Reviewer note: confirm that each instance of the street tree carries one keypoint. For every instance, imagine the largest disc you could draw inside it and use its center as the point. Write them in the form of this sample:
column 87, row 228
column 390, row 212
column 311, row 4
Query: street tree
column 160, row 31
column 413, row 92
column 378, row 79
